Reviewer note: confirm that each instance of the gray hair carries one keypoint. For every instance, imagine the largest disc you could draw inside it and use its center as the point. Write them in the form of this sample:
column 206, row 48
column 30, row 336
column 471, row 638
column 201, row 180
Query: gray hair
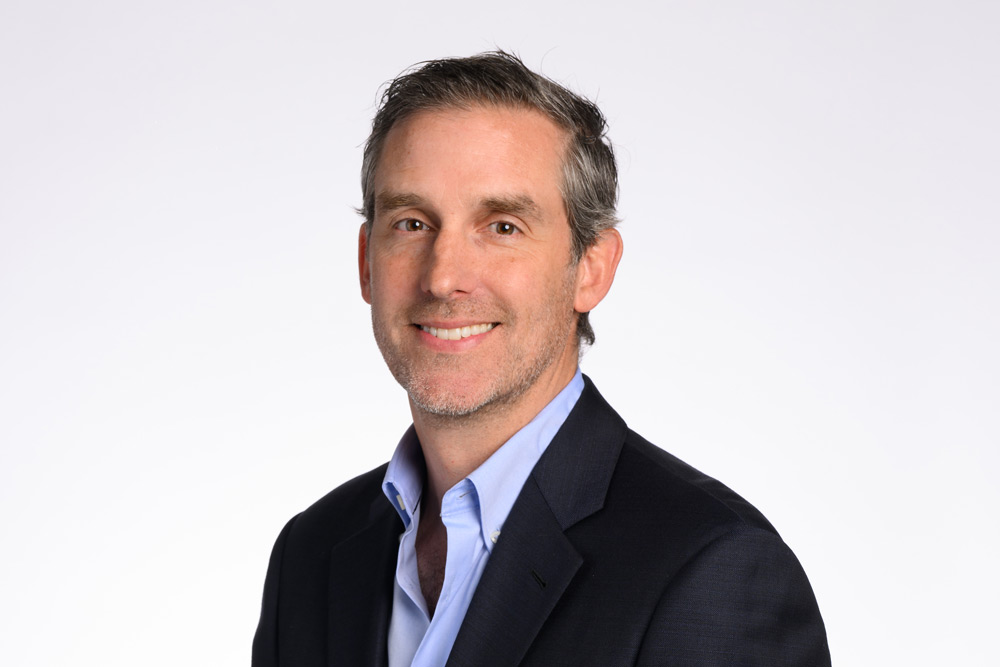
column 498, row 79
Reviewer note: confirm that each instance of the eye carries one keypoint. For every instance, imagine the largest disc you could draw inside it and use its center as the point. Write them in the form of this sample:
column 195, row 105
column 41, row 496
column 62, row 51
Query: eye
column 411, row 225
column 505, row 228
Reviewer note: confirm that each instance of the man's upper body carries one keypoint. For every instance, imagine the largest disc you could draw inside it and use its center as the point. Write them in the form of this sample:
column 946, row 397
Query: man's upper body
column 614, row 553
column 520, row 522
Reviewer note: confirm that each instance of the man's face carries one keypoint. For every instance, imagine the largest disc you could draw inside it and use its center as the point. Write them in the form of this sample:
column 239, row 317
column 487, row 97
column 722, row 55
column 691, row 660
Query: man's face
column 468, row 267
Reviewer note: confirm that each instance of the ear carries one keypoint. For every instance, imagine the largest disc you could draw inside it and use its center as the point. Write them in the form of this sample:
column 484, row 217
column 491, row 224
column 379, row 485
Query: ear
column 596, row 270
column 364, row 268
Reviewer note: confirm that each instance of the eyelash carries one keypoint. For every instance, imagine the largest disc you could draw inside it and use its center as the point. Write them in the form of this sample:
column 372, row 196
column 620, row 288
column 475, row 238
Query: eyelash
column 513, row 228
column 403, row 225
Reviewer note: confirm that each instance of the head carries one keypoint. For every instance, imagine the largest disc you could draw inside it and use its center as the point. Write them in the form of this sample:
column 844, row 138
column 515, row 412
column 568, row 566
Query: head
column 589, row 172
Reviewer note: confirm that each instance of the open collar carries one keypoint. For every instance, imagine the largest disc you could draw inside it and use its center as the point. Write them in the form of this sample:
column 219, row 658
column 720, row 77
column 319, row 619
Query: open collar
column 534, row 562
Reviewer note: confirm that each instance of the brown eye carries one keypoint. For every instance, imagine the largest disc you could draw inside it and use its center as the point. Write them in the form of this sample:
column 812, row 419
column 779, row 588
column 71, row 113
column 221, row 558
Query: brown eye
column 505, row 228
column 411, row 225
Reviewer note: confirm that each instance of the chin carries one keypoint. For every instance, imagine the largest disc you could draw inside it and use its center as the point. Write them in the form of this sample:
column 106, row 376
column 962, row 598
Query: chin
column 448, row 402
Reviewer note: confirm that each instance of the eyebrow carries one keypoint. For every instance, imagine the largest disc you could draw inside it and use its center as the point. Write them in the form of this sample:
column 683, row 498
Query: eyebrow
column 521, row 206
column 390, row 201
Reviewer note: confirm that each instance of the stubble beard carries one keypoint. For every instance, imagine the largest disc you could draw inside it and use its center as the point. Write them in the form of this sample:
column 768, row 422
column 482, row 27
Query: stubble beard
column 522, row 366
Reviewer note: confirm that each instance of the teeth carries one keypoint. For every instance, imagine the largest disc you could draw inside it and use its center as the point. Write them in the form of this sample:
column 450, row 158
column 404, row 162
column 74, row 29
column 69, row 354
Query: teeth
column 458, row 333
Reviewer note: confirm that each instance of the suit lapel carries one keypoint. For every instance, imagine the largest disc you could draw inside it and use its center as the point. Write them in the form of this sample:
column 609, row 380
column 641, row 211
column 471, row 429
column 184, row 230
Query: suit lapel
column 534, row 562
column 360, row 591
column 526, row 575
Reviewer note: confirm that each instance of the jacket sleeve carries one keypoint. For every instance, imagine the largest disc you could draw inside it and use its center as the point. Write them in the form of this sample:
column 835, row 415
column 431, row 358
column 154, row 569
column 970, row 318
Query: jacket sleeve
column 265, row 641
column 742, row 600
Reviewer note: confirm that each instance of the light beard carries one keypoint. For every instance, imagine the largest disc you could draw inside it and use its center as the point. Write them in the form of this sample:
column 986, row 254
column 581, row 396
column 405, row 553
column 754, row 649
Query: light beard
column 522, row 368
column 500, row 394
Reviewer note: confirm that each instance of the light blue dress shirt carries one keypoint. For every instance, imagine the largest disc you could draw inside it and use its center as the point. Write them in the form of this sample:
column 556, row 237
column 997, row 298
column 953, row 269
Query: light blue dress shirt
column 473, row 512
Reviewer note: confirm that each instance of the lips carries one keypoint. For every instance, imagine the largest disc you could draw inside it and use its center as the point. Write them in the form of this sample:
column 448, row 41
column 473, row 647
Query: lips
column 458, row 333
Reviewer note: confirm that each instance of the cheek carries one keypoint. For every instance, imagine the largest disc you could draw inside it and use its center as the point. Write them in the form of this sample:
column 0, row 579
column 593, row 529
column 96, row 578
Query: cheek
column 387, row 288
column 390, row 271
column 535, row 285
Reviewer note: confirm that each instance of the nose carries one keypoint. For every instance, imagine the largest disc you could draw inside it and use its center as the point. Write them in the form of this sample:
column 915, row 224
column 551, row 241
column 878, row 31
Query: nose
column 449, row 266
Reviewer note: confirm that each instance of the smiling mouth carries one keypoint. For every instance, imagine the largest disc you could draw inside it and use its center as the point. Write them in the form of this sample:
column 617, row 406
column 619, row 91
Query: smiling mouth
column 458, row 333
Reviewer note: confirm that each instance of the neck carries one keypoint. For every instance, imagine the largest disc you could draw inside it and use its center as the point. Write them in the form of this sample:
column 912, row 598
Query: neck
column 455, row 446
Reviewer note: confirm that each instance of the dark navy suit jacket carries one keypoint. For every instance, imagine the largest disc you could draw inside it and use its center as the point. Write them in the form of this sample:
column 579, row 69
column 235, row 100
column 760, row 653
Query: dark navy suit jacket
column 615, row 553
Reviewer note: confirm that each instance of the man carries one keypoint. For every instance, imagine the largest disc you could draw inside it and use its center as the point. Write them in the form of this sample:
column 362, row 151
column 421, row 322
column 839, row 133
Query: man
column 519, row 520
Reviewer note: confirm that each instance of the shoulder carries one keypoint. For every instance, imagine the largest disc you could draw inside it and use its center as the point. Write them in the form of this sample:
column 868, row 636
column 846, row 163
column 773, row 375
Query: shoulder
column 702, row 570
column 660, row 513
column 352, row 494
column 676, row 487
column 697, row 551
column 343, row 512
column 597, row 468
column 692, row 568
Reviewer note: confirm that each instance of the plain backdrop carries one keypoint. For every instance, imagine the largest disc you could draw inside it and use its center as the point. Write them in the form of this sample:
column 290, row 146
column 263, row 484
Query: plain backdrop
column 807, row 307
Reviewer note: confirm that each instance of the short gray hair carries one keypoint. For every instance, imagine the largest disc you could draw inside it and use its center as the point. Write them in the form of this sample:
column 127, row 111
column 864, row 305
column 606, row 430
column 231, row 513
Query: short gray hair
column 499, row 79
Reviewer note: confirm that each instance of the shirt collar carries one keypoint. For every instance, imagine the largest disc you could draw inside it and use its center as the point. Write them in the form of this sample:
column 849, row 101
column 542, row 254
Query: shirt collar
column 498, row 480
column 404, row 478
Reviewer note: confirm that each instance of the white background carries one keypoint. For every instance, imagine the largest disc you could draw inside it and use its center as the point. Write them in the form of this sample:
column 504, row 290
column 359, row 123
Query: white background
column 807, row 307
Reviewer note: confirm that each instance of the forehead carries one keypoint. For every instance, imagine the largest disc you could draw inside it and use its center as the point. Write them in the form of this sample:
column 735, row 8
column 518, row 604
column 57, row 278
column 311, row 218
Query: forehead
column 499, row 148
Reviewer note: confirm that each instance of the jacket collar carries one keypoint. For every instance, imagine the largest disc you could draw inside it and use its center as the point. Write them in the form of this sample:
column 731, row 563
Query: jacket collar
column 362, row 570
column 528, row 571
column 534, row 562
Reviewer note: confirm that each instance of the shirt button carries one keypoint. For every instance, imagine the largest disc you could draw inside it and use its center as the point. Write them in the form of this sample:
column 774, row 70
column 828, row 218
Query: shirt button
column 494, row 535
